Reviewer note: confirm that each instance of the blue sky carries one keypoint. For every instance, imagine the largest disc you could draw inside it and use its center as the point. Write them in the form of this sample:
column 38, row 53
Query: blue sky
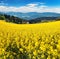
column 24, row 2
column 30, row 5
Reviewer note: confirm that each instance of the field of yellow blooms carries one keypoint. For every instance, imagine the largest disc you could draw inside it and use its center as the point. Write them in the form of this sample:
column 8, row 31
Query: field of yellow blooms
column 30, row 41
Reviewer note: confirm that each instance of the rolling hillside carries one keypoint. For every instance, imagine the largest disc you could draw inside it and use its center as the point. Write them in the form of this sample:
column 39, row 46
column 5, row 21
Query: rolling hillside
column 32, row 15
column 30, row 41
column 17, row 20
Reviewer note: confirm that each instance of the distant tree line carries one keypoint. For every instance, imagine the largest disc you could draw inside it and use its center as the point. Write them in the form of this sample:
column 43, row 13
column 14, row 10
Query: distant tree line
column 44, row 19
column 18, row 20
column 13, row 19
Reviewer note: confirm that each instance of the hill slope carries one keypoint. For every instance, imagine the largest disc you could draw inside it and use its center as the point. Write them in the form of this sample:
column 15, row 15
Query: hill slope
column 30, row 41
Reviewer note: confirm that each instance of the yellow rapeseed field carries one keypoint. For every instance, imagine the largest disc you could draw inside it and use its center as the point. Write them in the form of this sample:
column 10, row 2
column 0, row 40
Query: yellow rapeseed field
column 30, row 41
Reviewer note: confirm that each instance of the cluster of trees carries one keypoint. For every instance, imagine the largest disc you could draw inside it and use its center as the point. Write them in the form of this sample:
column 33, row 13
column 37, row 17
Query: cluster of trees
column 13, row 19
column 2, row 17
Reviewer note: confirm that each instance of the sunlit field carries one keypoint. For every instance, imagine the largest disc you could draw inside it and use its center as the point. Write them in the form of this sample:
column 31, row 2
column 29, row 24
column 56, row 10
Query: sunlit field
column 30, row 41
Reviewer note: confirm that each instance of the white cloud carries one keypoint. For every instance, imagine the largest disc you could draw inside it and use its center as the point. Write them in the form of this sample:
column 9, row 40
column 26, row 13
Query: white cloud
column 32, row 5
column 30, row 8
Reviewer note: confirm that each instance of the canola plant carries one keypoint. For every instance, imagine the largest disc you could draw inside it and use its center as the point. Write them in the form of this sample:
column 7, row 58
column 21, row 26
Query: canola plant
column 30, row 41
